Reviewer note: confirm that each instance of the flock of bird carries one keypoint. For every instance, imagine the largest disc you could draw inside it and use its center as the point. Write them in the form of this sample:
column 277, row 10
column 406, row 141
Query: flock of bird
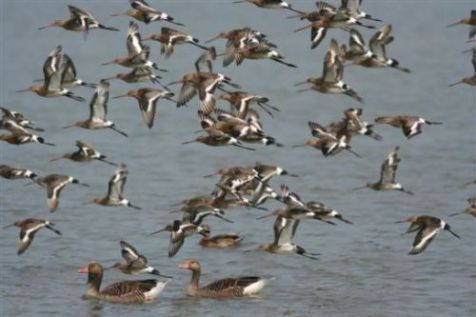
column 240, row 126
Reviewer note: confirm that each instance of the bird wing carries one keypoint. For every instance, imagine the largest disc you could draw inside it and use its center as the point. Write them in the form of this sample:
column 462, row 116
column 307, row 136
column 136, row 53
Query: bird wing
column 128, row 252
column 423, row 238
column 142, row 6
column 98, row 104
column 69, row 69
column 52, row 62
column 116, row 184
column 231, row 283
column 129, row 288
column 187, row 92
column 133, row 41
column 389, row 167
column 176, row 241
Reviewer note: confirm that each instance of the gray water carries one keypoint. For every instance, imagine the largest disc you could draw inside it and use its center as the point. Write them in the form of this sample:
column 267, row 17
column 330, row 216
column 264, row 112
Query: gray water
column 363, row 270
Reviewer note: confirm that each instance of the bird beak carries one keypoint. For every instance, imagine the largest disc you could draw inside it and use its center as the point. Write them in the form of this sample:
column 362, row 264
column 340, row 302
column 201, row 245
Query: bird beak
column 457, row 236
column 456, row 83
column 183, row 266
column 301, row 83
column 8, row 226
column 267, row 215
column 188, row 142
column 223, row 218
column 120, row 96
column 23, row 90
column 47, row 26
column 303, row 28
column 401, row 221
column 159, row 231
column 212, row 39
column 107, row 63
column 83, row 269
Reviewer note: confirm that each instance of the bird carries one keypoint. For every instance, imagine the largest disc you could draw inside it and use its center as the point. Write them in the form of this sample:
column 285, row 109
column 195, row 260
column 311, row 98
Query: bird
column 143, row 12
column 328, row 142
column 19, row 135
column 196, row 214
column 410, row 125
column 98, row 111
column 388, row 172
column 19, row 118
column 223, row 288
column 131, row 291
column 427, row 228
column 470, row 210
column 80, row 21
column 137, row 75
column 270, row 4
column 10, row 172
column 147, row 99
column 28, row 228
column 54, row 184
column 469, row 80
column 135, row 263
column 85, row 153
column 55, row 74
column 471, row 21
column 358, row 125
column 169, row 37
column 284, row 231
column 228, row 240
column 115, row 190
column 331, row 80
column 179, row 231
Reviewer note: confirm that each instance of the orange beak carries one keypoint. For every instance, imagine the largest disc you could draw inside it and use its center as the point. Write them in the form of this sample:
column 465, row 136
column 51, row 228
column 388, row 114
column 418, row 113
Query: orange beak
column 183, row 266
column 83, row 269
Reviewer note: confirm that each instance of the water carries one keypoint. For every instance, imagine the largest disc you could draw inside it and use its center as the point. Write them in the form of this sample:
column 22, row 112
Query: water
column 363, row 268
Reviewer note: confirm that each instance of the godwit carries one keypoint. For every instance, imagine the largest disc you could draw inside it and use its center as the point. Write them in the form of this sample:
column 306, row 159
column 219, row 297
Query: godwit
column 221, row 241
column 359, row 126
column 322, row 212
column 203, row 82
column 138, row 54
column 224, row 288
column 388, row 172
column 28, row 228
column 471, row 21
column 428, row 227
column 147, row 99
column 115, row 190
column 179, row 231
column 54, row 78
column 216, row 137
column 19, row 135
column 332, row 74
column 377, row 44
column 137, row 75
column 266, row 171
column 80, row 21
column 10, row 172
column 132, row 291
column 284, row 231
column 351, row 8
column 54, row 184
column 19, row 118
column 469, row 80
column 143, row 12
column 98, row 111
column 169, row 37
column 410, row 125
column 251, row 50
column 85, row 153
column 238, row 35
column 470, row 210
column 136, row 263
column 328, row 142
column 240, row 102
column 270, row 4
column 204, row 62
column 195, row 214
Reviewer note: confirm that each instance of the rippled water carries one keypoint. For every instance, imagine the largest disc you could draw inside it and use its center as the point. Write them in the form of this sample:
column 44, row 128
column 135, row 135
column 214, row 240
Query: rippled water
column 364, row 269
